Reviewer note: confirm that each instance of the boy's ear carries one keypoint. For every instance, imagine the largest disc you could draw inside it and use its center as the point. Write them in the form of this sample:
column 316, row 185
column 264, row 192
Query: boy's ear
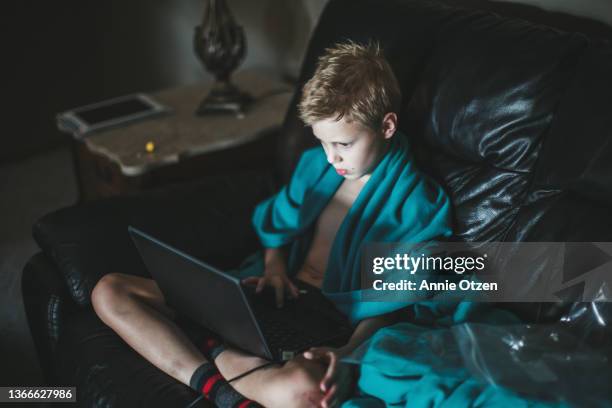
column 389, row 125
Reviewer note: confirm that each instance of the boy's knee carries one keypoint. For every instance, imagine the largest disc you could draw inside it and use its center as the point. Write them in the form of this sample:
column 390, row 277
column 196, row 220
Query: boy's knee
column 107, row 292
column 299, row 386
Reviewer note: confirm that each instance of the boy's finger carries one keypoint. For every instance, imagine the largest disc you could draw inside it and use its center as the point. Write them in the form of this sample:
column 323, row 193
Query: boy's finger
column 260, row 285
column 329, row 396
column 294, row 290
column 312, row 353
column 331, row 370
column 279, row 295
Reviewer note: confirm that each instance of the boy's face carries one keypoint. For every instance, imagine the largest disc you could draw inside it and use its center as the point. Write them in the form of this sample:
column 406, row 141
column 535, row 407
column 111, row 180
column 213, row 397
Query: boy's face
column 352, row 148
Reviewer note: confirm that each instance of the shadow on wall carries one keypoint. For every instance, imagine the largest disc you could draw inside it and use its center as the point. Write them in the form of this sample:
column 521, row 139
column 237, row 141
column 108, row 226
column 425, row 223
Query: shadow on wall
column 287, row 28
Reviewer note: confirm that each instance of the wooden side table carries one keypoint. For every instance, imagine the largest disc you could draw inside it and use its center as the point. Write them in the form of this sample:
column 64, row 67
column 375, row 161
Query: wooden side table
column 187, row 146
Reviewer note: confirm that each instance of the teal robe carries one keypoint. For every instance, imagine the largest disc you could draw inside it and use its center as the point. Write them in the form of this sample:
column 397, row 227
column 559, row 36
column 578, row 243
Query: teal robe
column 397, row 204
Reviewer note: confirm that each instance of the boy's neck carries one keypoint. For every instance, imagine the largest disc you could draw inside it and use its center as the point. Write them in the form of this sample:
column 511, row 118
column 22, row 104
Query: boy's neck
column 364, row 179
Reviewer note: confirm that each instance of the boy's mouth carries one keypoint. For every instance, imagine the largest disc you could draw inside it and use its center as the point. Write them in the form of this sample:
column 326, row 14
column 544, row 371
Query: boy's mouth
column 341, row 172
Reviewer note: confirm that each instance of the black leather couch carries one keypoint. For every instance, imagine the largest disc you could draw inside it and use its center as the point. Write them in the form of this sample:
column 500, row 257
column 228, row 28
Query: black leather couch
column 512, row 116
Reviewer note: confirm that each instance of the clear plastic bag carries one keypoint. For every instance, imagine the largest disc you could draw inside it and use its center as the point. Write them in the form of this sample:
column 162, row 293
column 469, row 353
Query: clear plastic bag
column 542, row 361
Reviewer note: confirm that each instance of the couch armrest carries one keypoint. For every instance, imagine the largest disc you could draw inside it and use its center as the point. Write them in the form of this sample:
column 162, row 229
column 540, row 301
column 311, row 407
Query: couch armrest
column 209, row 219
column 46, row 301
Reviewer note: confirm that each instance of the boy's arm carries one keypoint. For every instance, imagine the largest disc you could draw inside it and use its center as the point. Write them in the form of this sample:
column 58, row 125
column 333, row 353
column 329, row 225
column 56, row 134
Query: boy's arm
column 279, row 220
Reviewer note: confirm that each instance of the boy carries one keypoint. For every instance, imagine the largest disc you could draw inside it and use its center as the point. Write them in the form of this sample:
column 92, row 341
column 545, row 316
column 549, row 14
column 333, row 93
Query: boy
column 359, row 187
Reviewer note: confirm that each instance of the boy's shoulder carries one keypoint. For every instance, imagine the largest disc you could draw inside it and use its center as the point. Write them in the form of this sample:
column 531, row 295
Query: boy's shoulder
column 311, row 166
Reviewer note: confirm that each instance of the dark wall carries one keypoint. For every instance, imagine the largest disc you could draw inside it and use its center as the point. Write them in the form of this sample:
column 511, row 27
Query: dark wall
column 61, row 54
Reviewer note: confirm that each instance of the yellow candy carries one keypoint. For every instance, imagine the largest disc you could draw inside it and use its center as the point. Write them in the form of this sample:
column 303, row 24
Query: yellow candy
column 150, row 147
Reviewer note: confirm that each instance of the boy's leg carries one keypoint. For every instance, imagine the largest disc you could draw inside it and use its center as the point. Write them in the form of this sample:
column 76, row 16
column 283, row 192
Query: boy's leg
column 135, row 309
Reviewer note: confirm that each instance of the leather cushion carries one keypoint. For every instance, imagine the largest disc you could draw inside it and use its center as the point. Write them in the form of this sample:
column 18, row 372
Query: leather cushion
column 483, row 106
column 108, row 373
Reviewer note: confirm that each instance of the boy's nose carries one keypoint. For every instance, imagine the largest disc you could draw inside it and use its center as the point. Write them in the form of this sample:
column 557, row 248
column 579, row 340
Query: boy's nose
column 332, row 157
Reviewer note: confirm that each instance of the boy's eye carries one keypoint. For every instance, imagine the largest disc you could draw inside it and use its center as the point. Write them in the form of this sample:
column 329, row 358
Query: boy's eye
column 344, row 144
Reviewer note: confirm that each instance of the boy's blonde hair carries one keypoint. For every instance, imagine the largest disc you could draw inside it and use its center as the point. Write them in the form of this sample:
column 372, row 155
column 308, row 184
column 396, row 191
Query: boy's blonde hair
column 353, row 81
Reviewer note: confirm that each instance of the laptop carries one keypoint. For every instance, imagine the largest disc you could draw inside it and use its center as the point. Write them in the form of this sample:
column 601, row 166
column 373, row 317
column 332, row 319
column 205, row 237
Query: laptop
column 246, row 320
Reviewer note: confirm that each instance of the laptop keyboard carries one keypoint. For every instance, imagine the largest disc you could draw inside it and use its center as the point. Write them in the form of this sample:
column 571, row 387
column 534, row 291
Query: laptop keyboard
column 282, row 336
column 285, row 338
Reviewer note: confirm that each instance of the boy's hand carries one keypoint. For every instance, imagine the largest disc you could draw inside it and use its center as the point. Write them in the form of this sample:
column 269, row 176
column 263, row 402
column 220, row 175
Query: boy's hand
column 337, row 381
column 275, row 276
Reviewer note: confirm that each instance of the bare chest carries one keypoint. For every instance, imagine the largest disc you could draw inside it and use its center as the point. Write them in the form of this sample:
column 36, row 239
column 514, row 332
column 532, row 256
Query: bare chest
column 325, row 231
